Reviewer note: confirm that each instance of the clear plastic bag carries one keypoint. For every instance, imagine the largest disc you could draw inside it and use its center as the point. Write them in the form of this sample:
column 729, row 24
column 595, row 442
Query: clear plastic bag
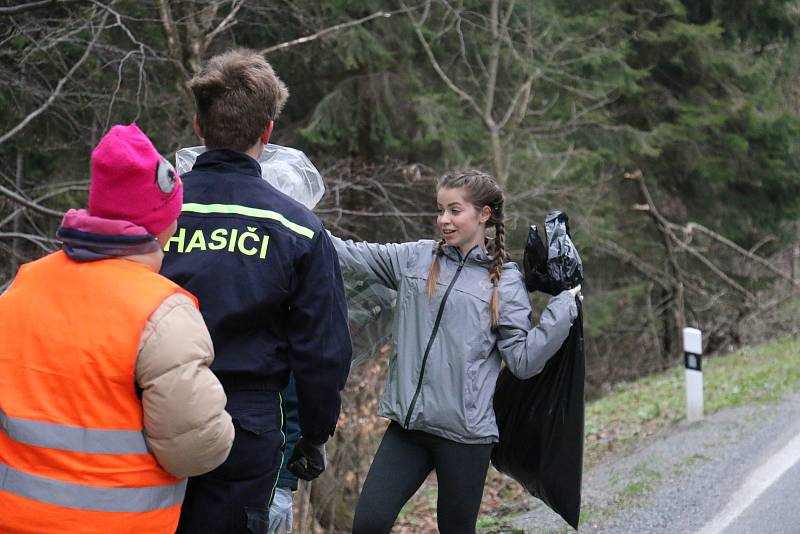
column 370, row 310
column 287, row 169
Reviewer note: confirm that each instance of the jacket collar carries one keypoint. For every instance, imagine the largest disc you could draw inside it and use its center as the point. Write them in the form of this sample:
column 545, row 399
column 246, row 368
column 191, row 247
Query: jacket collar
column 229, row 160
column 477, row 254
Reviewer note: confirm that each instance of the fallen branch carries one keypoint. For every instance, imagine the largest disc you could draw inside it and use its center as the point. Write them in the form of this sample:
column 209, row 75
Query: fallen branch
column 666, row 228
column 689, row 228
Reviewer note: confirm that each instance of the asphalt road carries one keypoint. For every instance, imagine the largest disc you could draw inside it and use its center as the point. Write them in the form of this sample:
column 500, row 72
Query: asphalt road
column 737, row 471
column 776, row 511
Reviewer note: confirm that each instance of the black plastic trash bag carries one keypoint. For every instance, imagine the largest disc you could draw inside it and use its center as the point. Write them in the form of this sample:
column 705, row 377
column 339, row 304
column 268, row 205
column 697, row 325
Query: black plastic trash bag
column 541, row 419
column 558, row 266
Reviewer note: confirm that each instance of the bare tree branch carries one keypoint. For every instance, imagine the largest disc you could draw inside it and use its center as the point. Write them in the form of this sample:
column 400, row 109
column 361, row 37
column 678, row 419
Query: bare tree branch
column 494, row 56
column 313, row 37
column 36, row 239
column 50, row 194
column 54, row 95
column 666, row 229
column 656, row 275
column 227, row 22
column 689, row 228
column 359, row 213
column 437, row 67
column 22, row 8
column 171, row 33
column 520, row 102
column 28, row 203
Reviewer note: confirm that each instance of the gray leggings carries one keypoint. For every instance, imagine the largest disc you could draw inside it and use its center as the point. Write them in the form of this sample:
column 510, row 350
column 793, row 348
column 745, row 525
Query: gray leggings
column 403, row 462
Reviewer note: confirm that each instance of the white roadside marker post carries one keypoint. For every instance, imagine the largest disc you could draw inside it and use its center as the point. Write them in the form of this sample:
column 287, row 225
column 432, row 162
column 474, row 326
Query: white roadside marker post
column 692, row 359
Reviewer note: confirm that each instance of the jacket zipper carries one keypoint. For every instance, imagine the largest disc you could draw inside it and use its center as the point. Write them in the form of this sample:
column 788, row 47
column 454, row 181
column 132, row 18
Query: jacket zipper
column 433, row 335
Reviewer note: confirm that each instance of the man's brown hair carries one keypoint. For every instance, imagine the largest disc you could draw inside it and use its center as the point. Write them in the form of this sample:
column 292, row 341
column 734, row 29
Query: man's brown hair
column 237, row 93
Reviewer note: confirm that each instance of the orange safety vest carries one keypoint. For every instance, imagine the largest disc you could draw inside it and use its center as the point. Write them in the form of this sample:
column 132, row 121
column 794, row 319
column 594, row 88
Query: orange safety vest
column 73, row 456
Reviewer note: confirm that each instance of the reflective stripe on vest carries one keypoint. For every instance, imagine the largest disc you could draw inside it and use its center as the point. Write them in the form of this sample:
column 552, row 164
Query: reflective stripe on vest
column 73, row 438
column 90, row 498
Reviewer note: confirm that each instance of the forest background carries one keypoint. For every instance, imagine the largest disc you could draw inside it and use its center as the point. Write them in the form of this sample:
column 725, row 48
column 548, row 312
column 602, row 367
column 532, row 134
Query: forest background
column 666, row 129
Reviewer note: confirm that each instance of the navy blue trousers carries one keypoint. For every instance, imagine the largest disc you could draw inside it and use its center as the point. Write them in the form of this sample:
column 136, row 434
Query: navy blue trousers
column 234, row 498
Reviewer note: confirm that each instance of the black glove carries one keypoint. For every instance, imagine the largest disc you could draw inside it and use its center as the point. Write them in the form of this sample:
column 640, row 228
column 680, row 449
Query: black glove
column 308, row 461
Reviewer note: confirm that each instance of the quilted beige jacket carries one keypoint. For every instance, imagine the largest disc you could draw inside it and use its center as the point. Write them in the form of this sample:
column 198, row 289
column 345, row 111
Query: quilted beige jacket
column 186, row 425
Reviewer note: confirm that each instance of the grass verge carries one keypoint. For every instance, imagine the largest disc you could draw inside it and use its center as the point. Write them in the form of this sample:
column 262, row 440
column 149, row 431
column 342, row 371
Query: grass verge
column 763, row 373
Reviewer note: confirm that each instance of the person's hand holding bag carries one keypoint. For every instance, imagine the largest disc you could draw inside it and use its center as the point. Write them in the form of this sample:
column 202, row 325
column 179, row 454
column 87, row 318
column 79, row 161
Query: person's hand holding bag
column 576, row 292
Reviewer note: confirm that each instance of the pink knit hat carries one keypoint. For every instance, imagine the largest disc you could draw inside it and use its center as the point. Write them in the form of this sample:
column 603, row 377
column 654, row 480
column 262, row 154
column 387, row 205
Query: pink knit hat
column 132, row 182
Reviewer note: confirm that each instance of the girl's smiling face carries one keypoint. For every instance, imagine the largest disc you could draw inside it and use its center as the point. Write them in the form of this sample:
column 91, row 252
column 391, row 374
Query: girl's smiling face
column 462, row 224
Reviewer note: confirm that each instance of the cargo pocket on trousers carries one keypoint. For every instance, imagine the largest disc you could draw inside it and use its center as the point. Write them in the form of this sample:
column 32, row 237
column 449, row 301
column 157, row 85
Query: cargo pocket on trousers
column 257, row 423
column 256, row 520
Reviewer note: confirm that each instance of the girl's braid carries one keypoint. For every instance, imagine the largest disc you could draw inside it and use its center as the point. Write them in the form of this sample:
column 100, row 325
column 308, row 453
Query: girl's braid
column 433, row 276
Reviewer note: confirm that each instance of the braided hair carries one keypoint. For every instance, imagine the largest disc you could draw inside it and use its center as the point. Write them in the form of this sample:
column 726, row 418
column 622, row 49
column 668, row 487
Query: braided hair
column 481, row 190
column 433, row 275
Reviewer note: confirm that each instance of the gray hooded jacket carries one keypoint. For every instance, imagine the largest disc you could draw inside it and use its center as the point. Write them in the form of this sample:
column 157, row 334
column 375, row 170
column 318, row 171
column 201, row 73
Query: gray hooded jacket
column 446, row 358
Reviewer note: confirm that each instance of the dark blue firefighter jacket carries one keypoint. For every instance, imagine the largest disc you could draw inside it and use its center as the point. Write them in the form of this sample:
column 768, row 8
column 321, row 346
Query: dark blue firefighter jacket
column 269, row 285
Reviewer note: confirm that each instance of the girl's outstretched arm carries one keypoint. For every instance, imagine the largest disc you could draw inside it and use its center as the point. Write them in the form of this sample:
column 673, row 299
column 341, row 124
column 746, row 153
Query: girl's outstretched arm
column 374, row 262
column 526, row 350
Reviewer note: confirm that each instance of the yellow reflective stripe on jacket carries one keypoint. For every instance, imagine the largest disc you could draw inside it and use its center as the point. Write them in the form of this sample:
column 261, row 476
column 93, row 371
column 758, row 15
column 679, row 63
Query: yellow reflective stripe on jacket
column 233, row 209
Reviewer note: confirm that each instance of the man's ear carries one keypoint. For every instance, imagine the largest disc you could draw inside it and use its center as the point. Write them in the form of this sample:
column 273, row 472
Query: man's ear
column 197, row 130
column 266, row 133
